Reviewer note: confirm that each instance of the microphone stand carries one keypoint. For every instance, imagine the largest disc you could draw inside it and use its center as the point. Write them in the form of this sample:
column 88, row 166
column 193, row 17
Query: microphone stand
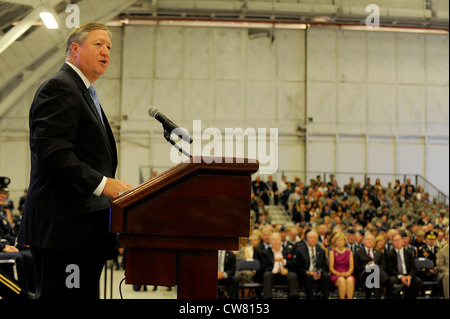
column 171, row 141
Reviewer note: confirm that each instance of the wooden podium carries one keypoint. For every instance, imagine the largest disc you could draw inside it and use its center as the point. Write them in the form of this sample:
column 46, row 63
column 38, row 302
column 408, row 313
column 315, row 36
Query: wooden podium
column 173, row 224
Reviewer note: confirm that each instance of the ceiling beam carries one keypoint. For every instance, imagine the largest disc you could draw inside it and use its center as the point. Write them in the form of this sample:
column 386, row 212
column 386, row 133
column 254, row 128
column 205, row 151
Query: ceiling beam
column 15, row 32
column 27, row 22
column 109, row 9
column 30, row 3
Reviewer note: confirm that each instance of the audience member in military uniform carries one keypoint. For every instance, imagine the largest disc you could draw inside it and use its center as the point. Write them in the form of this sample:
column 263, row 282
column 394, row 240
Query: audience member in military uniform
column 22, row 258
column 5, row 204
column 294, row 236
column 442, row 220
column 406, row 236
column 311, row 266
column 352, row 244
column 440, row 240
column 6, row 231
column 10, row 290
column 272, row 189
column 429, row 251
column 278, row 266
column 370, row 213
column 260, row 190
column 21, row 255
column 285, row 243
column 22, row 200
column 365, row 257
column 402, row 271
column 442, row 266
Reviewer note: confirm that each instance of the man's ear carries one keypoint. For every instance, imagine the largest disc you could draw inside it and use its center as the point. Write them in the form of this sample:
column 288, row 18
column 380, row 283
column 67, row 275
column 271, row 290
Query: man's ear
column 74, row 48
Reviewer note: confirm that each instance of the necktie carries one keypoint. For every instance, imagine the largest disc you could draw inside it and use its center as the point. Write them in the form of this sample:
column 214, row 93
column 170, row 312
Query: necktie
column 94, row 96
column 313, row 259
column 370, row 255
column 399, row 263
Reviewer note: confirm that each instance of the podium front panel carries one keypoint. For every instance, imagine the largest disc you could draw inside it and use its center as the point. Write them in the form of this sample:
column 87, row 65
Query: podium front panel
column 204, row 205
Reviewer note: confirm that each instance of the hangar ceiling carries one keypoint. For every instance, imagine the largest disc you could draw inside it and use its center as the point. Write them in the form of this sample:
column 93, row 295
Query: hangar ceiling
column 28, row 49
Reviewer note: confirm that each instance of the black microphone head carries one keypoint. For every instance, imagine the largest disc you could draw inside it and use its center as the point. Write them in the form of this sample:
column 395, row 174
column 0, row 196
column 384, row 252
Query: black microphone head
column 153, row 111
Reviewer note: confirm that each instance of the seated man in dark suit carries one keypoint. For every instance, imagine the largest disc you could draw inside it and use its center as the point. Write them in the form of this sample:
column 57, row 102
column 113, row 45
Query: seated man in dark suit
column 278, row 266
column 401, row 268
column 366, row 257
column 226, row 271
column 311, row 266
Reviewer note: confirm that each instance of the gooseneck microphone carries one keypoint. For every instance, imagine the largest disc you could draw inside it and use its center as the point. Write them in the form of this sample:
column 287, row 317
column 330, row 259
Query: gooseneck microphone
column 168, row 125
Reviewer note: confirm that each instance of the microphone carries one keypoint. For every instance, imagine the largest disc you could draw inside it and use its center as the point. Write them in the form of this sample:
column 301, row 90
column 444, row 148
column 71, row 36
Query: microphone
column 168, row 125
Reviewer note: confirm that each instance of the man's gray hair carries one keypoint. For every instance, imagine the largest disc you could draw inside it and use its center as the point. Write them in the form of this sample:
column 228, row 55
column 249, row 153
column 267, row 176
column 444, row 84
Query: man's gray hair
column 80, row 34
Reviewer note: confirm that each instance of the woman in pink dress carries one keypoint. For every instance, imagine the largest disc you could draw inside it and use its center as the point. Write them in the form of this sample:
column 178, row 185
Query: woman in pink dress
column 341, row 267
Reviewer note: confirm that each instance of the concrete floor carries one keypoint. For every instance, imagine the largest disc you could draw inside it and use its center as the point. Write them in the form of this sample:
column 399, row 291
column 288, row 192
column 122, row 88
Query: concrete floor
column 128, row 291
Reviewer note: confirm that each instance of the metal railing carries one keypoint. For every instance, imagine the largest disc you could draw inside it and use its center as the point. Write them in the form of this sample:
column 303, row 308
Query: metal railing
column 343, row 178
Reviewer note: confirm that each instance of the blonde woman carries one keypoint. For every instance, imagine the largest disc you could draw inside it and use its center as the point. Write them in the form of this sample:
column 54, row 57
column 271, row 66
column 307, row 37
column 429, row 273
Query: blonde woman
column 380, row 243
column 341, row 267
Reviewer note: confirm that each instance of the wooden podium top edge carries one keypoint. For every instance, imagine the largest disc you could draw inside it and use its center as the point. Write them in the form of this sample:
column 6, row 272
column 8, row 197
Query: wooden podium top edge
column 212, row 164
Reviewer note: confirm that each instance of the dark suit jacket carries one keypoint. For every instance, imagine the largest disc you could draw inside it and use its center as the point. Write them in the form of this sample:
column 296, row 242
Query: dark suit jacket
column 302, row 259
column 71, row 151
column 229, row 263
column 267, row 259
column 391, row 263
column 362, row 259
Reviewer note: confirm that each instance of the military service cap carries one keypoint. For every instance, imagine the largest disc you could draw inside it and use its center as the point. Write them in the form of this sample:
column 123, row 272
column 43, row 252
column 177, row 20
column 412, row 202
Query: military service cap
column 431, row 234
column 4, row 182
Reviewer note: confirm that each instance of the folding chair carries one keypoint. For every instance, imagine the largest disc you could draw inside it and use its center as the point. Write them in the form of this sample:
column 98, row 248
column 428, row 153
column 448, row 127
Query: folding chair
column 252, row 265
column 423, row 265
column 9, row 267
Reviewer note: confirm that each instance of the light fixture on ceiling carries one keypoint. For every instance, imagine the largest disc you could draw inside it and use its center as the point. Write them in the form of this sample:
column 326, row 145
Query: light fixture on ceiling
column 49, row 20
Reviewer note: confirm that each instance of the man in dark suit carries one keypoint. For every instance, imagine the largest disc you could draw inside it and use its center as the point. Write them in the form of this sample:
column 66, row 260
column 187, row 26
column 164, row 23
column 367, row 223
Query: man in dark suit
column 226, row 273
column 73, row 163
column 402, row 270
column 366, row 257
column 352, row 244
column 311, row 266
column 277, row 265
